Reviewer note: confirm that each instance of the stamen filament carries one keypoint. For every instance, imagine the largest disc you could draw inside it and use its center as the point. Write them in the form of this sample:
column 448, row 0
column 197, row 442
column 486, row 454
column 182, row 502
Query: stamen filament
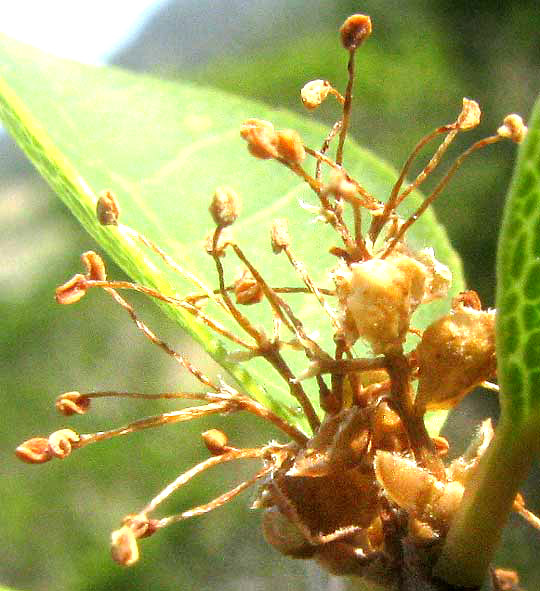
column 438, row 189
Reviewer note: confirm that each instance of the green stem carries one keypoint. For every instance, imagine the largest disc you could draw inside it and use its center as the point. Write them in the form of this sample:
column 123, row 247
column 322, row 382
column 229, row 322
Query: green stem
column 476, row 528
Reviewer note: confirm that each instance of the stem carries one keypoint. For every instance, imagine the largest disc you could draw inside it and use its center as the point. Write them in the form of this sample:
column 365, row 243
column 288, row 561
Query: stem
column 477, row 526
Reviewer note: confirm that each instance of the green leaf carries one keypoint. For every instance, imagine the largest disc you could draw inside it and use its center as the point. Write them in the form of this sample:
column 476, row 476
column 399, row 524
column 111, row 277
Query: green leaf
column 518, row 286
column 163, row 147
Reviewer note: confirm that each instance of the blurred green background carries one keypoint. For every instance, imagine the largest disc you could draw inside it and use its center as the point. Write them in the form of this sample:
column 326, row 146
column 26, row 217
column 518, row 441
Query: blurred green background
column 421, row 60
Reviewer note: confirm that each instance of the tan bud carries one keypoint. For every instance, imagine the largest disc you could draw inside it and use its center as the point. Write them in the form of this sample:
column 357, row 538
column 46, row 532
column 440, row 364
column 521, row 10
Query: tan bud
column 71, row 403
column 314, row 93
column 71, row 291
column 247, row 290
column 513, row 128
column 470, row 115
column 34, row 451
column 95, row 267
column 124, row 549
column 355, row 30
column 215, row 441
column 261, row 138
column 279, row 235
column 107, row 209
column 60, row 442
column 290, row 146
column 456, row 353
column 225, row 206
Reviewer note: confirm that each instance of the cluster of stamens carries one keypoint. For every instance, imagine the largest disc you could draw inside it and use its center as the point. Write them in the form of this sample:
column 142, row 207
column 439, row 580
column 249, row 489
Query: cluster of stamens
column 367, row 438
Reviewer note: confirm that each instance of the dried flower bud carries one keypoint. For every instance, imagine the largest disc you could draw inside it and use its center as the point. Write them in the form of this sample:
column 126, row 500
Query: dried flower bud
column 71, row 403
column 456, row 353
column 513, row 128
column 107, row 209
column 34, row 451
column 225, row 238
column 247, row 290
column 314, row 93
column 290, row 146
column 225, row 206
column 470, row 115
column 124, row 549
column 261, row 138
column 279, row 235
column 378, row 297
column 355, row 30
column 95, row 267
column 215, row 441
column 340, row 187
column 60, row 442
column 71, row 291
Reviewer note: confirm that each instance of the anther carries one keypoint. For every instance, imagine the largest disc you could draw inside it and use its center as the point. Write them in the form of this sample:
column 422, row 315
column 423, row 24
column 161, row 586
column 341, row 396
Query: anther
column 107, row 209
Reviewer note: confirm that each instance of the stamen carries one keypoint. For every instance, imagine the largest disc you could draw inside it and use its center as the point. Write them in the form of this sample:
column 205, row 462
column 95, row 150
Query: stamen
column 217, row 502
column 255, row 453
column 438, row 189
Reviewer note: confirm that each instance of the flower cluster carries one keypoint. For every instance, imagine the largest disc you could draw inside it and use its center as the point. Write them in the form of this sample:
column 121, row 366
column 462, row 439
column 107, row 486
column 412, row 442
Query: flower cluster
column 367, row 438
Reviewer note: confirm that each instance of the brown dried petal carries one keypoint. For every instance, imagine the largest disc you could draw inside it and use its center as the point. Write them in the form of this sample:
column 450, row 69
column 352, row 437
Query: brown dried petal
column 355, row 30
column 95, row 267
column 71, row 291
column 261, row 138
column 107, row 209
column 215, row 441
column 71, row 403
column 290, row 146
column 225, row 206
column 34, row 451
